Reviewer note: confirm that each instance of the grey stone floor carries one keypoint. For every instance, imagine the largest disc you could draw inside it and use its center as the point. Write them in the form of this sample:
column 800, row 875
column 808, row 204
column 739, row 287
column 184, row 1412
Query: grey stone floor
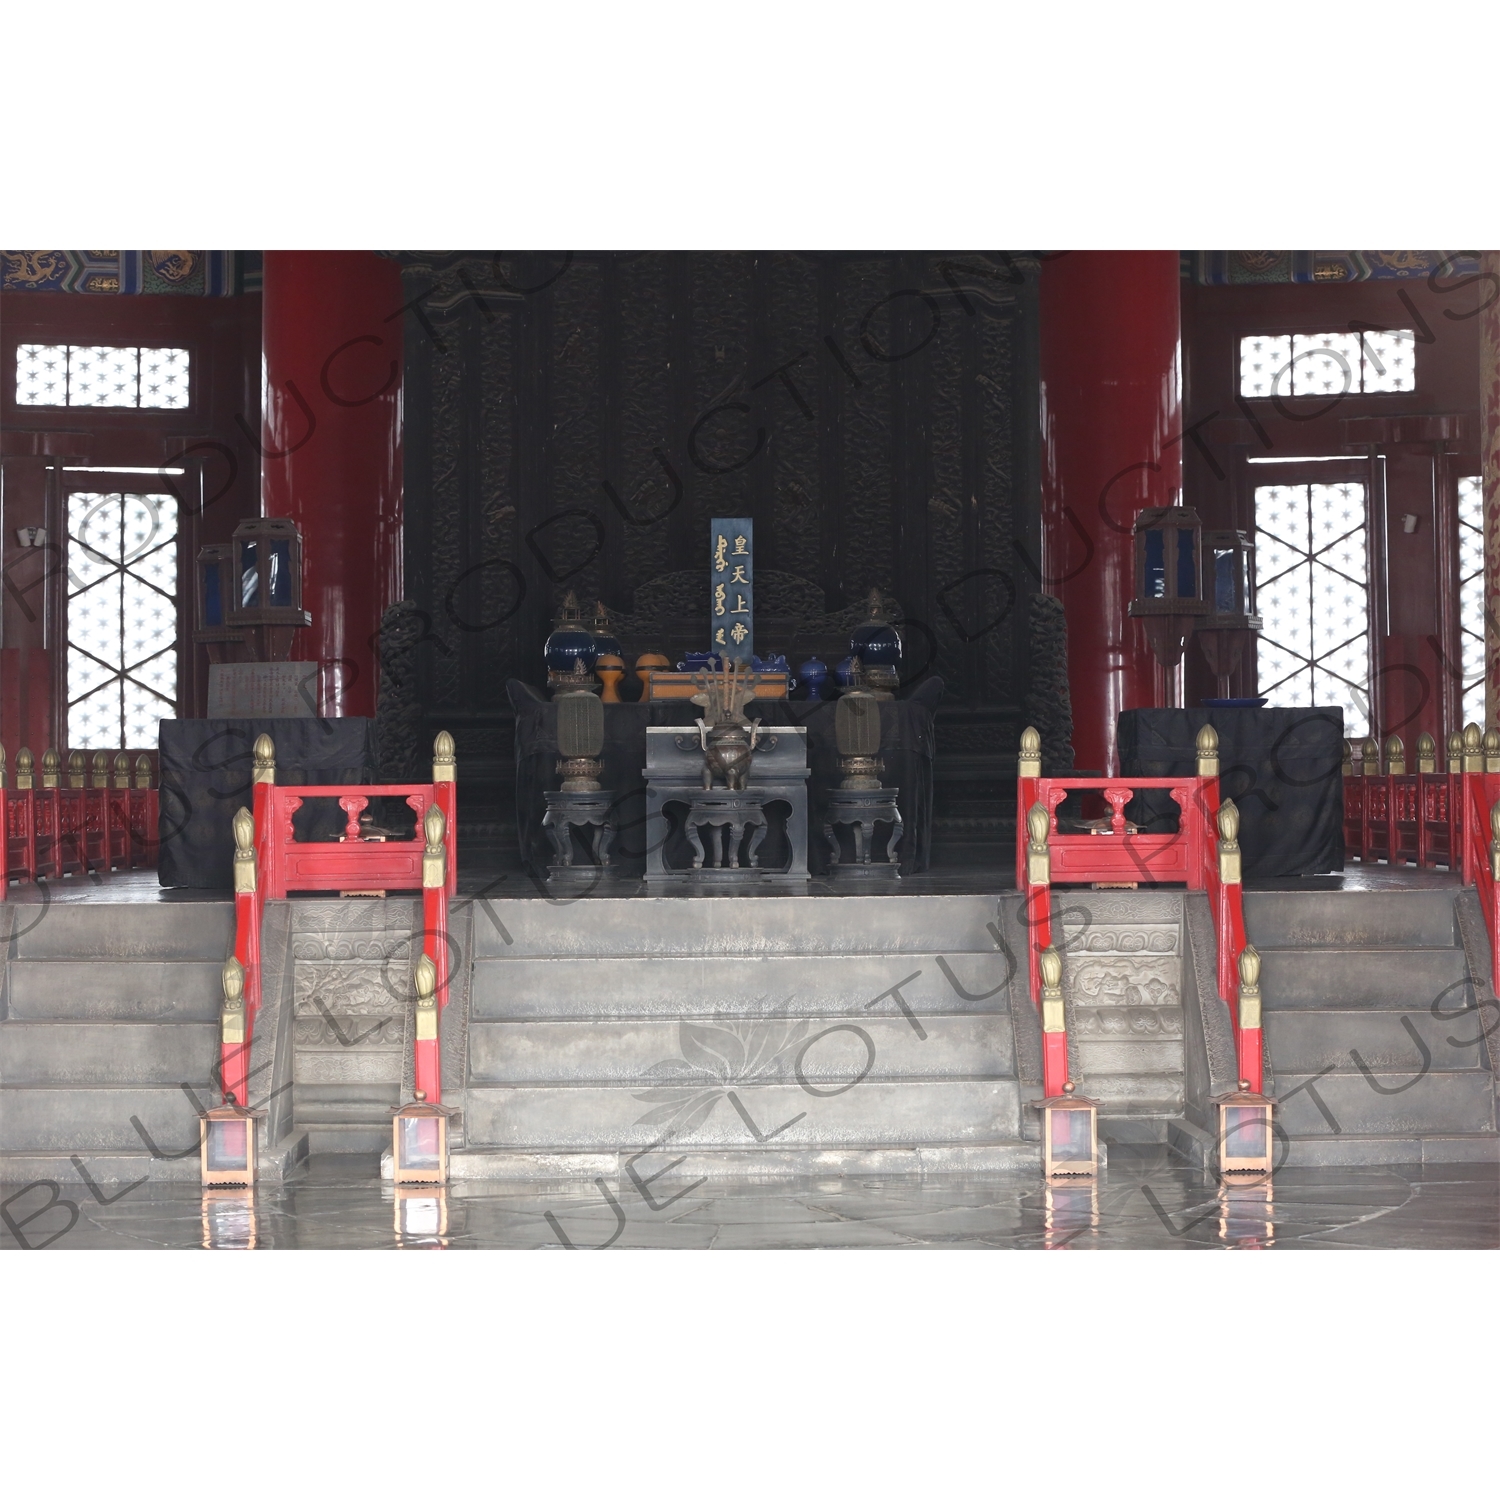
column 1144, row 1202
column 512, row 882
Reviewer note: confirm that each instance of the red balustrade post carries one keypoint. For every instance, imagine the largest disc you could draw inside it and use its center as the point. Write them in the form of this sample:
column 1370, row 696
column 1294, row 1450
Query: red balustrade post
column 427, row 1064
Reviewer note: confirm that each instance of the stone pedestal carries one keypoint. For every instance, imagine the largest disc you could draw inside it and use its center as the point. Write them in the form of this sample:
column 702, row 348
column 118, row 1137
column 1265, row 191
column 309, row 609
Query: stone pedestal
column 777, row 781
column 860, row 811
column 567, row 811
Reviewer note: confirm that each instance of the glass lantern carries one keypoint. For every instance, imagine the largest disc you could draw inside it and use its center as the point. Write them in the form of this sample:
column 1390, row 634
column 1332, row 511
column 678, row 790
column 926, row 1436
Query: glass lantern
column 1168, row 575
column 419, row 1141
column 227, row 1145
column 266, row 577
column 1245, row 1132
column 1070, row 1135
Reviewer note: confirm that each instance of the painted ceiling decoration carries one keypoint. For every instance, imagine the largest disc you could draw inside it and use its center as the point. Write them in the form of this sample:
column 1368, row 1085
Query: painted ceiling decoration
column 189, row 273
column 1299, row 267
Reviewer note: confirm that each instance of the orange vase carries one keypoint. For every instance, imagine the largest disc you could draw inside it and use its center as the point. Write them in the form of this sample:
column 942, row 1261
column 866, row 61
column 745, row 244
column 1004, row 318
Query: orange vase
column 610, row 670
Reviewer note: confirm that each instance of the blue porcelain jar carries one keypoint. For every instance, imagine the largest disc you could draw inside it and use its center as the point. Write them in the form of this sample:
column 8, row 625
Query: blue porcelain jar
column 571, row 643
column 814, row 673
column 843, row 672
column 876, row 642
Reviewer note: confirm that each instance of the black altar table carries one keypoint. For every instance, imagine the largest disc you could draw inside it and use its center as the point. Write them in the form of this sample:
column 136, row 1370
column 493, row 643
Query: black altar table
column 205, row 779
column 908, row 745
column 1282, row 767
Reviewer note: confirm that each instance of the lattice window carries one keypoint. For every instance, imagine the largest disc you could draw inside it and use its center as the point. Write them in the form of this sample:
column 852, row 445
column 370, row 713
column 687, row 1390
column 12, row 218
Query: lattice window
column 99, row 375
column 122, row 619
column 1328, row 364
column 1312, row 590
column 1471, row 595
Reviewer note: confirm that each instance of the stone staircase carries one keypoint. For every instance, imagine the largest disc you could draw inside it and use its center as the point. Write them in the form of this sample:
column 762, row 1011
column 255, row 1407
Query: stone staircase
column 108, row 1037
column 754, row 1036
column 1122, row 987
column 1361, row 1066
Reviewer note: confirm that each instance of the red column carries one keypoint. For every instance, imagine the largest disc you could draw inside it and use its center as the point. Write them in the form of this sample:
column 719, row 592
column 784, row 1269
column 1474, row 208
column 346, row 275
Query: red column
column 1111, row 429
column 331, row 450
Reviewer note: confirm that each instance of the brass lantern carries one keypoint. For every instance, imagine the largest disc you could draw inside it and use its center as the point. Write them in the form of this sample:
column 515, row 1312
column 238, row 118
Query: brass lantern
column 1070, row 1135
column 215, row 597
column 266, row 584
column 419, row 1141
column 1245, row 1132
column 227, row 1145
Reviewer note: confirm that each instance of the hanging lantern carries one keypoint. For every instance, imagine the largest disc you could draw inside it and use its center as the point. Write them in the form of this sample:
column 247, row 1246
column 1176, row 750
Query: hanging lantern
column 419, row 1141
column 1169, row 598
column 227, row 1145
column 1245, row 1131
column 1070, row 1135
column 1231, row 622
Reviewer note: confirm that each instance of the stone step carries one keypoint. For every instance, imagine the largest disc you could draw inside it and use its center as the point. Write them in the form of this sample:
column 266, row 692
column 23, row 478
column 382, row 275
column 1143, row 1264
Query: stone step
column 1350, row 919
column 1133, row 1093
column 78, row 989
column 114, row 1171
column 740, row 926
column 1386, row 1150
column 99, row 1119
column 1438, row 1103
column 612, row 1052
column 864, row 1114
column 1099, row 1057
column 126, row 930
column 573, row 988
column 121, row 1052
column 316, row 1105
column 701, row 1167
column 1364, row 978
column 1304, row 1041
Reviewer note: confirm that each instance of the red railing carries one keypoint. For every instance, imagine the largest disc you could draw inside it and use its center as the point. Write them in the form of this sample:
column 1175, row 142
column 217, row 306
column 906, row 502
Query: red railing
column 1115, row 853
column 1411, row 818
column 52, row 825
column 270, row 864
column 1481, row 862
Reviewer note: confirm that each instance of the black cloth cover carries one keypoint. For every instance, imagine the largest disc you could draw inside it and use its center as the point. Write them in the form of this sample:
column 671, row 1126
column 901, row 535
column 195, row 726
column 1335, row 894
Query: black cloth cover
column 1282, row 767
column 907, row 746
column 205, row 780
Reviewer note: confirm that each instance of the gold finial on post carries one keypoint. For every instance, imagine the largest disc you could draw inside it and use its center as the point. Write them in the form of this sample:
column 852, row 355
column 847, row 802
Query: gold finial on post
column 1049, row 961
column 244, row 851
column 1492, row 750
column 121, row 771
column 1426, row 755
column 1350, row 769
column 1208, row 751
column 143, row 773
column 425, row 979
column 2, row 779
column 1455, row 749
column 1029, row 762
column 263, row 763
column 100, row 770
column 1038, row 856
column 51, row 768
column 232, row 1016
column 1229, row 844
column 75, row 768
column 1249, row 988
column 1395, row 756
column 1370, row 751
column 434, row 856
column 1473, row 748
column 24, row 767
column 444, row 762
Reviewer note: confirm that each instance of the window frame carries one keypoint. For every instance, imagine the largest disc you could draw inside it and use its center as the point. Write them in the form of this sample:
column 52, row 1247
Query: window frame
column 1292, row 331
